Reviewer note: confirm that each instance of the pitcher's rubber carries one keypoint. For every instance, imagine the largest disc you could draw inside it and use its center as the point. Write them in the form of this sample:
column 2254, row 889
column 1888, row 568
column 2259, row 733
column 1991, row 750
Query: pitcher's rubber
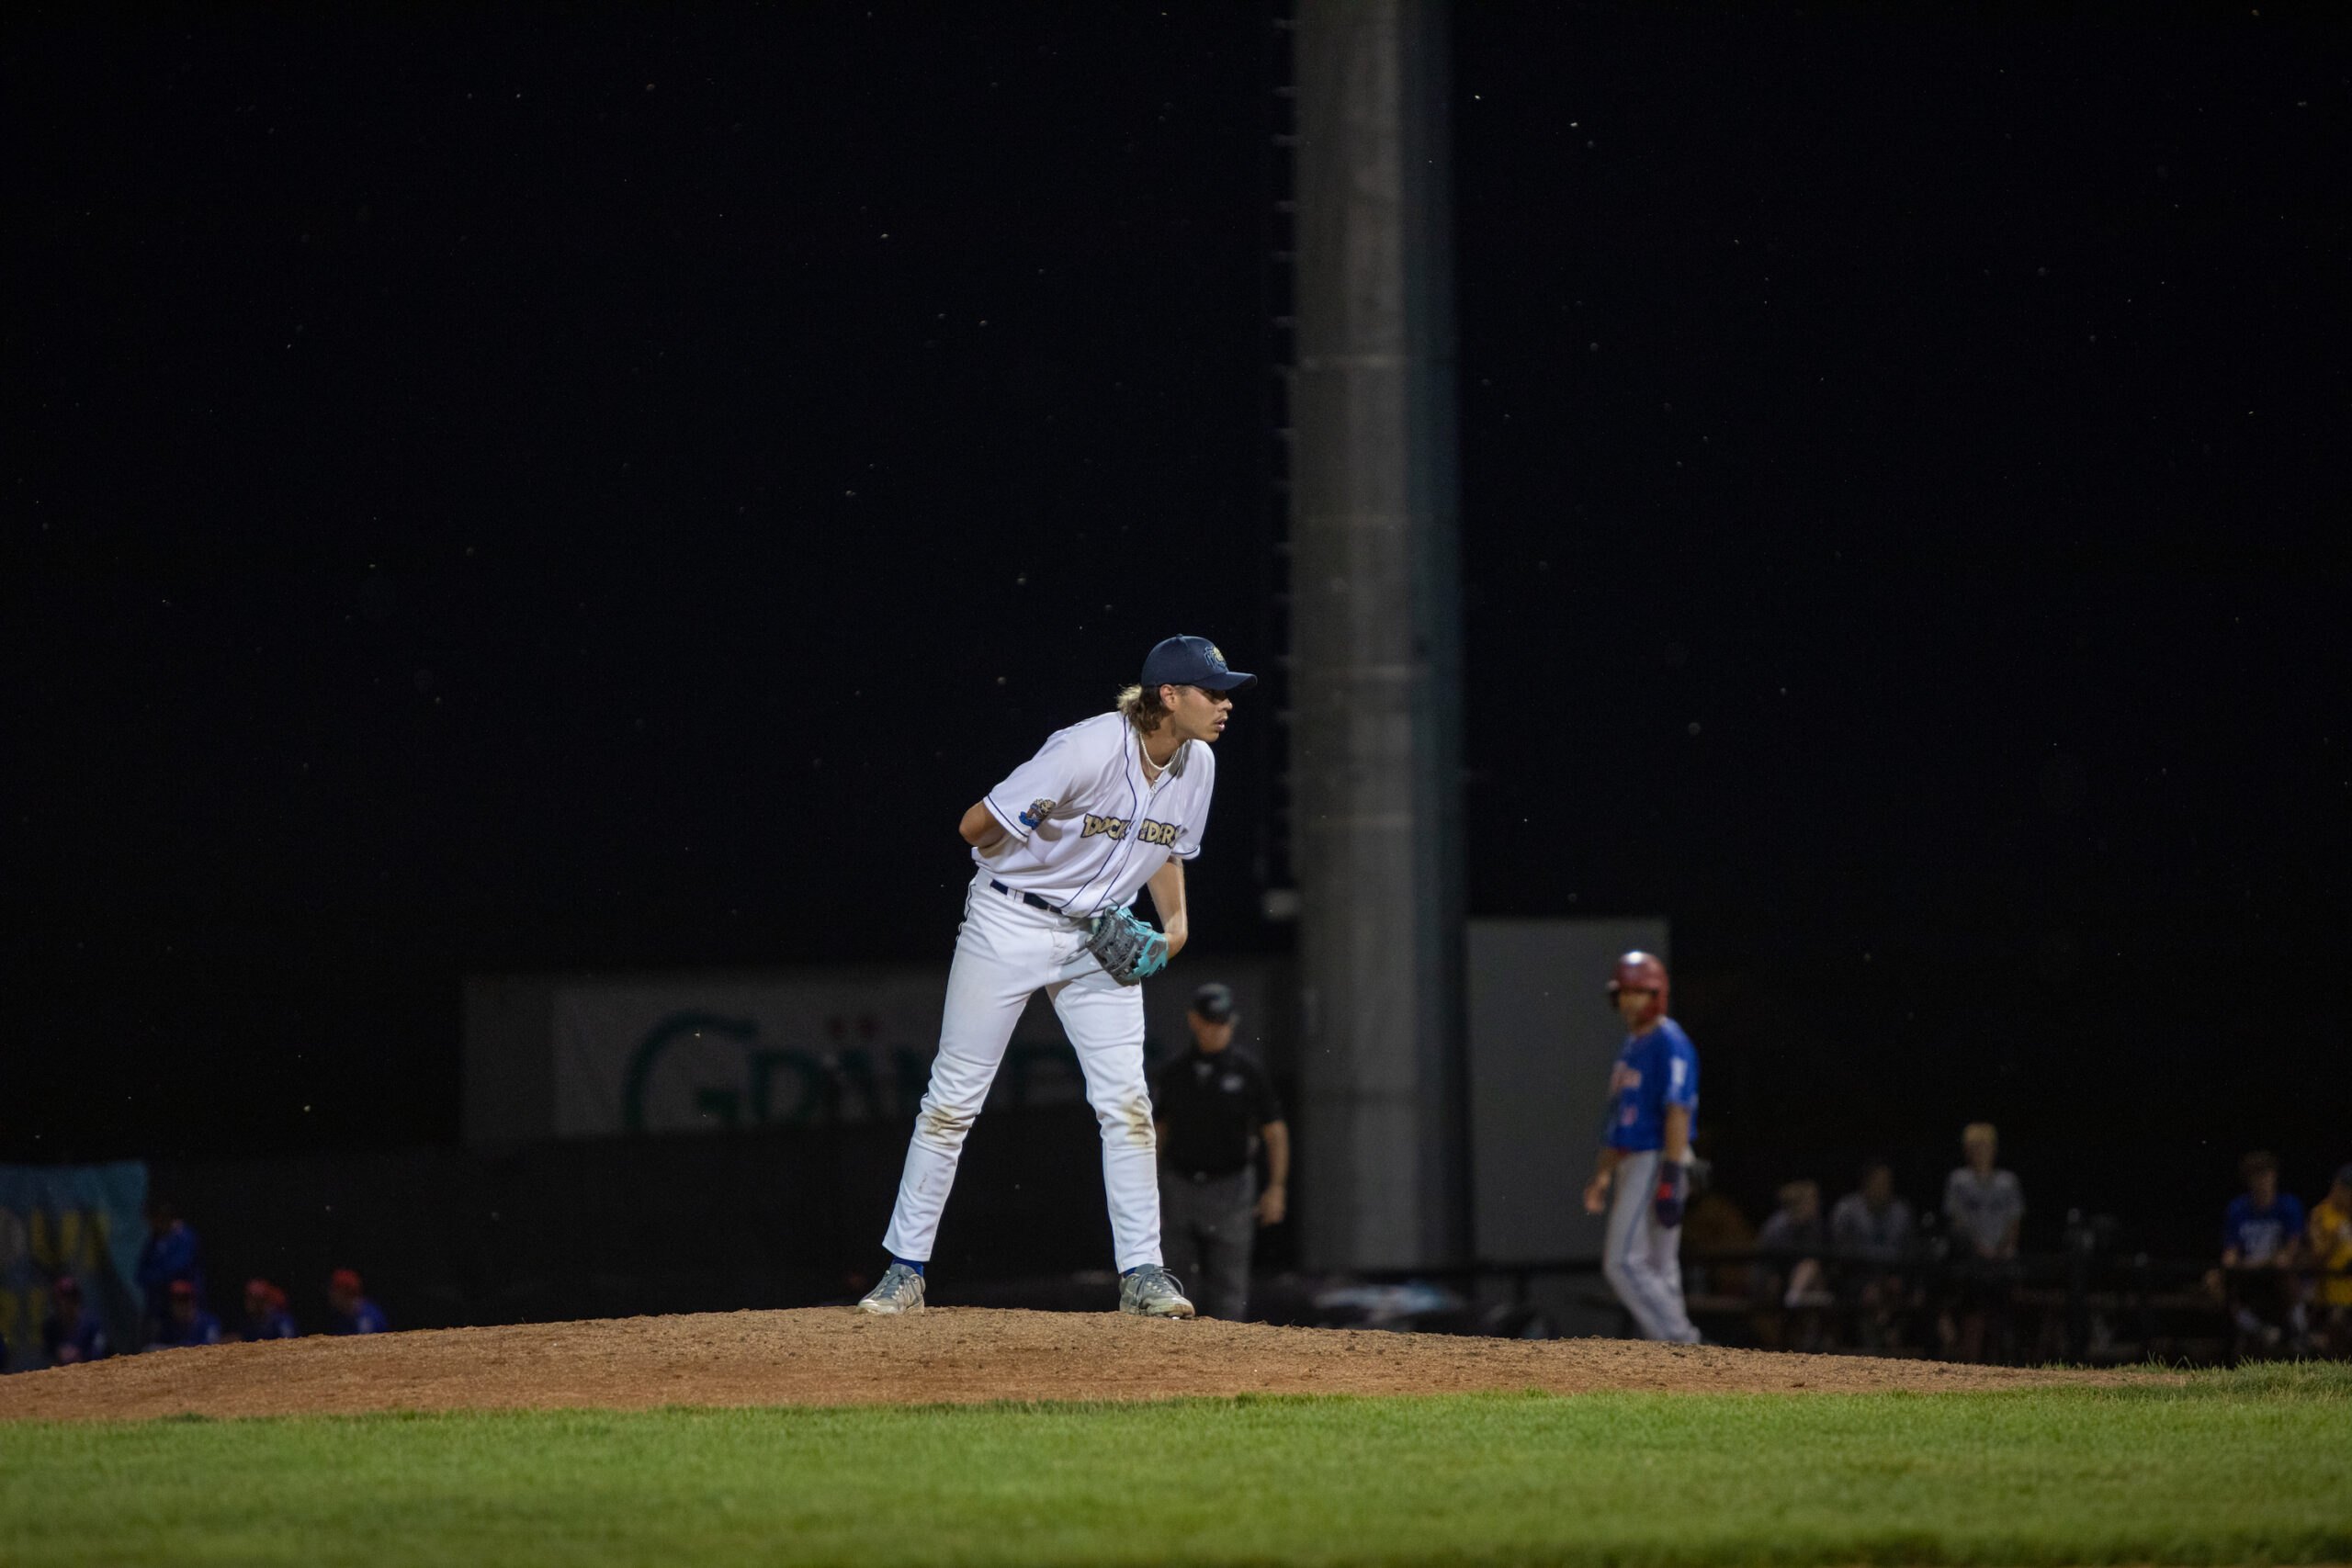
column 837, row 1356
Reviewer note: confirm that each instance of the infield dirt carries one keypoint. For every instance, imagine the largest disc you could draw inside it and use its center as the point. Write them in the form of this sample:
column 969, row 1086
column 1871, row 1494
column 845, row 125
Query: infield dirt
column 834, row 1356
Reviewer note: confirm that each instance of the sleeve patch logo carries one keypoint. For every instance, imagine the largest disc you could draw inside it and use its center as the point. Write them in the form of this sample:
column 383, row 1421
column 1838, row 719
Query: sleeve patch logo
column 1117, row 827
column 1160, row 833
column 1039, row 811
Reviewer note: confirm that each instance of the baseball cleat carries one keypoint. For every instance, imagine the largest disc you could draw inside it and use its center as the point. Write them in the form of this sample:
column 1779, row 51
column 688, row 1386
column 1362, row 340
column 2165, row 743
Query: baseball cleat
column 1152, row 1292
column 901, row 1291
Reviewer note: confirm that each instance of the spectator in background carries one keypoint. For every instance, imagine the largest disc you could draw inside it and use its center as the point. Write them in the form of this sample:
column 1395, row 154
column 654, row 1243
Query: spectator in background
column 185, row 1320
column 1794, row 1239
column 2329, row 1238
column 169, row 1253
column 1872, row 1222
column 1985, row 1207
column 1871, row 1233
column 1713, row 1226
column 266, row 1314
column 72, row 1333
column 1789, row 1276
column 349, row 1310
column 2263, row 1230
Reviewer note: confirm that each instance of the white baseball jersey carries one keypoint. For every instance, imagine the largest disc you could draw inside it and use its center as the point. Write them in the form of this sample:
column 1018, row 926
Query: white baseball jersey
column 1088, row 831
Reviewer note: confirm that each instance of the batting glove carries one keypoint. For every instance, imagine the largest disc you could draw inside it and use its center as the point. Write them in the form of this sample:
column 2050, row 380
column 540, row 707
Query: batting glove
column 1673, row 1193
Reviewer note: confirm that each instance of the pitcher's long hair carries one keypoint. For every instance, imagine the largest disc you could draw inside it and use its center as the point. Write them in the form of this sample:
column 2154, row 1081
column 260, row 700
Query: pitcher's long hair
column 1144, row 710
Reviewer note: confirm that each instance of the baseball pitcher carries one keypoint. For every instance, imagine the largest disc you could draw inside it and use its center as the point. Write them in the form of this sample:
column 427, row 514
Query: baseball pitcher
column 1108, row 807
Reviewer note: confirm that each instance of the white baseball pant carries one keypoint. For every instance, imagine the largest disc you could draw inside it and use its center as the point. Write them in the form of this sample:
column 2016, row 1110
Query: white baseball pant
column 1642, row 1257
column 1004, row 951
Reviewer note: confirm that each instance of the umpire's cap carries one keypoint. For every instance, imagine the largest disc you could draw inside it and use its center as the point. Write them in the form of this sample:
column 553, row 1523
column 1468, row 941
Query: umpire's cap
column 1213, row 1002
column 1190, row 662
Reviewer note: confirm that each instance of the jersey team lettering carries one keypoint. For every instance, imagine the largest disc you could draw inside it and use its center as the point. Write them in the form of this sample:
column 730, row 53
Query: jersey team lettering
column 1088, row 828
column 1163, row 834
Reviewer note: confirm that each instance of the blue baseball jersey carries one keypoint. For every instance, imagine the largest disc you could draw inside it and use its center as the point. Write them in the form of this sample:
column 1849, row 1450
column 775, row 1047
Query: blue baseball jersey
column 272, row 1326
column 84, row 1341
column 1656, row 1068
column 366, row 1317
column 2257, row 1233
column 174, row 1254
column 202, row 1329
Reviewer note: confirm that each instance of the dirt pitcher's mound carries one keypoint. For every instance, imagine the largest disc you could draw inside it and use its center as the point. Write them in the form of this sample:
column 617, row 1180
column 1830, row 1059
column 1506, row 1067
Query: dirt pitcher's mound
column 835, row 1356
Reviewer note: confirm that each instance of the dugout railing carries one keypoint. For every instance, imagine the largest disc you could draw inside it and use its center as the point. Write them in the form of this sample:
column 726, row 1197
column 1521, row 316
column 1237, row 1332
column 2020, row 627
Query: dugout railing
column 2082, row 1306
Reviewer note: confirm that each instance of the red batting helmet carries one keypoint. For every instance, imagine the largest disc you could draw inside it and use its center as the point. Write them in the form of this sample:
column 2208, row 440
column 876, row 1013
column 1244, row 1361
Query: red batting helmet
column 1639, row 971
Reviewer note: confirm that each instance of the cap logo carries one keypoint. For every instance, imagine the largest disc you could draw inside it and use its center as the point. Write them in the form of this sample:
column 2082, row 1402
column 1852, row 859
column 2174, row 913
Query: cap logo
column 1217, row 656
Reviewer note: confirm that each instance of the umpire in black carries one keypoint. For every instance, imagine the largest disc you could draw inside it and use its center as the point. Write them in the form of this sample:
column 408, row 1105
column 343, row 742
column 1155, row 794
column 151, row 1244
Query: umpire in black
column 1214, row 1104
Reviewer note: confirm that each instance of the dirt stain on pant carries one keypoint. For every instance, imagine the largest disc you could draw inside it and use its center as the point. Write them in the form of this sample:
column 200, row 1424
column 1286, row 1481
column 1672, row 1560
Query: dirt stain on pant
column 945, row 1123
column 1134, row 1114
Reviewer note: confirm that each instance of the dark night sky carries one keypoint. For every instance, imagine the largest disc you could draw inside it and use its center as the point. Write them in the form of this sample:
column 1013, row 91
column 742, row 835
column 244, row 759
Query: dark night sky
column 521, row 493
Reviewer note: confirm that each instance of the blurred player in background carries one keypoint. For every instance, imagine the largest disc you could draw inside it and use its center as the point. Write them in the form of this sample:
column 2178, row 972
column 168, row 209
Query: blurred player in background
column 169, row 1254
column 348, row 1309
column 1653, row 1093
column 72, row 1333
column 184, row 1321
column 266, row 1314
column 1214, row 1104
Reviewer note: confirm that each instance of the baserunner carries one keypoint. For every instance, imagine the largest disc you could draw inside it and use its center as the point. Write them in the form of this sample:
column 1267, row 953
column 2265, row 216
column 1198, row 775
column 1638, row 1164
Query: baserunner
column 1109, row 807
column 1653, row 1094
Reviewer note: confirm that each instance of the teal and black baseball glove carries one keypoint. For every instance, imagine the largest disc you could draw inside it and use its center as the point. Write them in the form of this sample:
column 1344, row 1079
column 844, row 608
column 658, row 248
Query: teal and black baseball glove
column 1128, row 949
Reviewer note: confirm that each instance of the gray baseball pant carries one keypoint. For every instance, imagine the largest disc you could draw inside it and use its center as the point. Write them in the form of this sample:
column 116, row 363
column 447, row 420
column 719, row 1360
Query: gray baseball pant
column 1642, row 1257
column 1206, row 1231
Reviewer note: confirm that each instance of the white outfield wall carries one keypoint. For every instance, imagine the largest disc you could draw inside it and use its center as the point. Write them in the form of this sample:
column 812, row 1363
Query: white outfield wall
column 1543, row 1037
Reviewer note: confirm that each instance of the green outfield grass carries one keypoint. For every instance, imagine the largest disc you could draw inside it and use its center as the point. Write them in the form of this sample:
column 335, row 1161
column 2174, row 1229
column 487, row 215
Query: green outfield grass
column 2238, row 1467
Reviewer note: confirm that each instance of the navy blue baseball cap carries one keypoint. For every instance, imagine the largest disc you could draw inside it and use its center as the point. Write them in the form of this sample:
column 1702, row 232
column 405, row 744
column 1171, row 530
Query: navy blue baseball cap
column 1213, row 1002
column 1192, row 661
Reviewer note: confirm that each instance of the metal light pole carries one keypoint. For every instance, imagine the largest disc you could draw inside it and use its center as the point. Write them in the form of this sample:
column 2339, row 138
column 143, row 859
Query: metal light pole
column 1377, row 641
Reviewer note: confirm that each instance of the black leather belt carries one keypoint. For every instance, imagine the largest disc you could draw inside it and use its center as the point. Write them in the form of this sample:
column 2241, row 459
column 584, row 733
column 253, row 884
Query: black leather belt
column 1029, row 898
